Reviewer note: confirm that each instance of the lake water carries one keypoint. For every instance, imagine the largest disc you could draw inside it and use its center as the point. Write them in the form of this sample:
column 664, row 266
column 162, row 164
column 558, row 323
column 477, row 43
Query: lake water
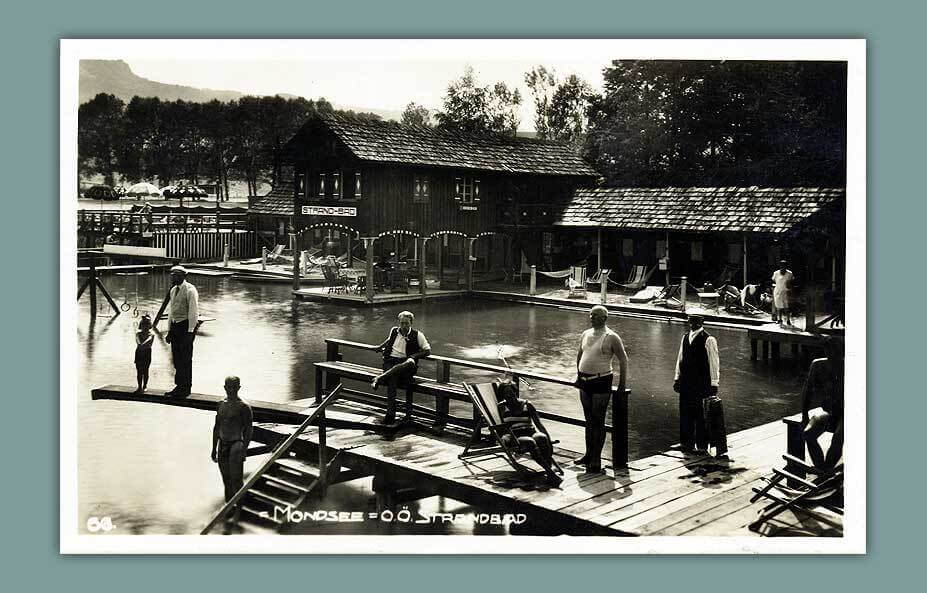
column 148, row 467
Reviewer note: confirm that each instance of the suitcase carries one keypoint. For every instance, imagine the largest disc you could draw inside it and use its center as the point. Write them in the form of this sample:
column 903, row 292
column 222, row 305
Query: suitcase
column 714, row 421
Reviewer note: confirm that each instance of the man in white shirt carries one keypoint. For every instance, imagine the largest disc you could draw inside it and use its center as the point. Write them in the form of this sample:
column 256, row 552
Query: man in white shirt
column 402, row 349
column 697, row 377
column 598, row 346
column 183, row 314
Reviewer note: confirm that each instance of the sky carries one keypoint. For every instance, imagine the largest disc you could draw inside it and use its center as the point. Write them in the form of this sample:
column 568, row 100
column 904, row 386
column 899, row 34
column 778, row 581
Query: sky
column 366, row 83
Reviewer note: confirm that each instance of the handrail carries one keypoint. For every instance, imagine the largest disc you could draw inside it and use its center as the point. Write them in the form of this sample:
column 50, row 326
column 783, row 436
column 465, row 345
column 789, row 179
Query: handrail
column 278, row 452
column 618, row 428
column 465, row 363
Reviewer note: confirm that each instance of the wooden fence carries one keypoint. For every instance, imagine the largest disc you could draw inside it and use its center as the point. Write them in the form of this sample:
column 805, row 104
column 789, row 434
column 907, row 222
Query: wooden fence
column 206, row 246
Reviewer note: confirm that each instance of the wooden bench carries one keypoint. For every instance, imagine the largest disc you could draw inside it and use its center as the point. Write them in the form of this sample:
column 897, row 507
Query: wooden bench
column 329, row 373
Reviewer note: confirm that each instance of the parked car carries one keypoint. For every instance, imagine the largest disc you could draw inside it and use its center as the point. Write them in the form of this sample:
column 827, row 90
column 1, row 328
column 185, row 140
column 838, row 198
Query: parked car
column 101, row 192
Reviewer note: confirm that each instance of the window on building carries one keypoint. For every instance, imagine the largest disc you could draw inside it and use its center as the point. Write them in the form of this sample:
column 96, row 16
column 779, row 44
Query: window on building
column 735, row 252
column 420, row 188
column 330, row 186
column 301, row 185
column 661, row 249
column 696, row 251
column 627, row 247
column 466, row 190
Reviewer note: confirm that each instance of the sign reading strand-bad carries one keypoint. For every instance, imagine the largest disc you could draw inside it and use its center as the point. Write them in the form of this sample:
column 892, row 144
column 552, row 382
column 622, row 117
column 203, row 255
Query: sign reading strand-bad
column 329, row 211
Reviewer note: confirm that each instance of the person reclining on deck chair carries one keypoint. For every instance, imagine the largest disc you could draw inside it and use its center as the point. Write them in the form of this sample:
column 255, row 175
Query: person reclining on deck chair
column 825, row 379
column 532, row 437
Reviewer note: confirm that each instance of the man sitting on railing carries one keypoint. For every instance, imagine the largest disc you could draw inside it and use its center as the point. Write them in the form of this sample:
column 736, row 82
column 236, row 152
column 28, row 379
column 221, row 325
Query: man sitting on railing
column 532, row 436
column 401, row 351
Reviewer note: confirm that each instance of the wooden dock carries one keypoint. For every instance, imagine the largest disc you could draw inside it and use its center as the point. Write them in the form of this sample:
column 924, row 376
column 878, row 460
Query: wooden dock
column 665, row 494
column 771, row 336
column 321, row 293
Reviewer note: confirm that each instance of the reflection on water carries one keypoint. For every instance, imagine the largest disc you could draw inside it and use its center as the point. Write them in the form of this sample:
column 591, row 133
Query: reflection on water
column 148, row 467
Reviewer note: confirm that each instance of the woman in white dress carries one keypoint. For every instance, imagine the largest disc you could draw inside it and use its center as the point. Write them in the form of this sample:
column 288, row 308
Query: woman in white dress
column 782, row 286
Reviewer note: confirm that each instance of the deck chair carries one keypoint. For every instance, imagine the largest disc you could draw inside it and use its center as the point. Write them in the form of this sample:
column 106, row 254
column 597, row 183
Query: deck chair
column 597, row 277
column 486, row 402
column 577, row 281
column 638, row 278
column 823, row 491
column 333, row 280
column 277, row 252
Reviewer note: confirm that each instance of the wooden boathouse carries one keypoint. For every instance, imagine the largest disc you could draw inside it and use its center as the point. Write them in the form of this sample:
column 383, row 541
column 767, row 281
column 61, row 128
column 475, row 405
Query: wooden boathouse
column 334, row 437
column 412, row 193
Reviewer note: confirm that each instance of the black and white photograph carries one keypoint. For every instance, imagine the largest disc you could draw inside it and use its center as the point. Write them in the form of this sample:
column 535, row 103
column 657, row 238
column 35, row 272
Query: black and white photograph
column 421, row 296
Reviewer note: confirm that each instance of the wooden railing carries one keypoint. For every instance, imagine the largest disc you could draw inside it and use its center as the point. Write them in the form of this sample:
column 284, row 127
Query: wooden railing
column 443, row 365
column 127, row 223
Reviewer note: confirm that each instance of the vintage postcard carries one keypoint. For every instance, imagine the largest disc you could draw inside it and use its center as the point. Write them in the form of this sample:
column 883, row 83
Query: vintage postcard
column 420, row 296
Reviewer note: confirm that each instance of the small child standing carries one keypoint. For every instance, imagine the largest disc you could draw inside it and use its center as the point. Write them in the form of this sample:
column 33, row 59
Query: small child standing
column 143, row 339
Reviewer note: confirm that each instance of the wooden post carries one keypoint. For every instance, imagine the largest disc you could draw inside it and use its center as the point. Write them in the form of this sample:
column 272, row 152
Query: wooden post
column 598, row 260
column 395, row 251
column 470, row 257
column 809, row 297
column 745, row 261
column 619, row 429
column 368, row 247
column 682, row 292
column 603, row 288
column 93, row 289
column 295, row 253
column 350, row 251
column 263, row 258
column 533, row 285
column 667, row 256
column 167, row 299
column 439, row 250
column 422, row 288
column 225, row 254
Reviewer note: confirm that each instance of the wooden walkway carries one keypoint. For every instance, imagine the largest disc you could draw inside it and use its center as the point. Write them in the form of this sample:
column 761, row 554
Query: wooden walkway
column 664, row 494
column 321, row 293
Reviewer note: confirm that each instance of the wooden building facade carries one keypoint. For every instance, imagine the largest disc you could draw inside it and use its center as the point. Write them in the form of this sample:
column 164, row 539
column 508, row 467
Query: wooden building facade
column 733, row 235
column 356, row 178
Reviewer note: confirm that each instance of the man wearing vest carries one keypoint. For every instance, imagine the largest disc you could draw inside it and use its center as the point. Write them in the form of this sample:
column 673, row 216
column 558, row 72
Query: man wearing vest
column 696, row 378
column 402, row 349
column 183, row 316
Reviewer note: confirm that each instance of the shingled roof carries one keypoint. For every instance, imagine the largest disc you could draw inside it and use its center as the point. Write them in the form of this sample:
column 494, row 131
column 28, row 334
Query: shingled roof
column 392, row 142
column 698, row 209
column 278, row 201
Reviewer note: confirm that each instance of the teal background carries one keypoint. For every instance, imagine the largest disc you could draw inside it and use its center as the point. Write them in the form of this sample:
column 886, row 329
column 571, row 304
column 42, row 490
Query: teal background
column 29, row 132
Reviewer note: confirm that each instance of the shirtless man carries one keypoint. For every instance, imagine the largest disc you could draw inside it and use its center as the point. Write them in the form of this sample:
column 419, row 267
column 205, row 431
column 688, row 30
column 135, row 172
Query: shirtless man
column 230, row 437
column 598, row 346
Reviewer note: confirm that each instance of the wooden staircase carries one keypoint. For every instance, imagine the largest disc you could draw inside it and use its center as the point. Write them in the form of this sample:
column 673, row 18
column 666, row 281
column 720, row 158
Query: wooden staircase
column 281, row 483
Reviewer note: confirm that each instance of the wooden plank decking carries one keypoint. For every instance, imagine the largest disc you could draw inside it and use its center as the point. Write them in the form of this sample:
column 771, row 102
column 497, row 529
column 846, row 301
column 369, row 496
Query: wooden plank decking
column 665, row 494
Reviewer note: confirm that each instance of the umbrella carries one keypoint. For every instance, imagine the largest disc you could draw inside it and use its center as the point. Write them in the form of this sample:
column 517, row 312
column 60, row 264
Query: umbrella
column 143, row 190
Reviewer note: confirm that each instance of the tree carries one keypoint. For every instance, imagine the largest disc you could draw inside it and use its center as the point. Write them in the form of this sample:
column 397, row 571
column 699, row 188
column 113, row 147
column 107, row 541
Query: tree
column 559, row 106
column 471, row 108
column 416, row 115
column 661, row 123
column 100, row 128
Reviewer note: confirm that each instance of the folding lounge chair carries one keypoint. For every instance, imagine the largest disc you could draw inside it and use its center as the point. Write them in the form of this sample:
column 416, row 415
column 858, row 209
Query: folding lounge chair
column 577, row 281
column 638, row 278
column 486, row 402
column 824, row 491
